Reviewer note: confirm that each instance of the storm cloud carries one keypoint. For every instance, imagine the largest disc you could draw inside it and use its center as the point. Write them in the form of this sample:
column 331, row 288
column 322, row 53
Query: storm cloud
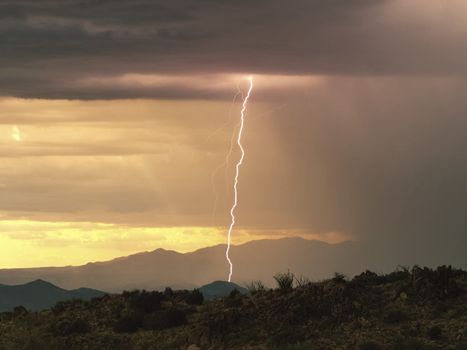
column 51, row 49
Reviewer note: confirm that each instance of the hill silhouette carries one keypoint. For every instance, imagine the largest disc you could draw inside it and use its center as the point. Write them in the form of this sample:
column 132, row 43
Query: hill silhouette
column 218, row 289
column 39, row 295
column 161, row 268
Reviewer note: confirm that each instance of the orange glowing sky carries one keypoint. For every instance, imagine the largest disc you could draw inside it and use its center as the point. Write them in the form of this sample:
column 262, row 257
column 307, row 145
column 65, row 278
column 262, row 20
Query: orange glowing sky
column 99, row 179
column 114, row 116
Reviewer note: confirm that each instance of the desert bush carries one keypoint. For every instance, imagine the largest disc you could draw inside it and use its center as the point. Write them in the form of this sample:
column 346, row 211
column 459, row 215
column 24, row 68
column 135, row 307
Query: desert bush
column 368, row 278
column 284, row 281
column 255, row 287
column 302, row 281
column 234, row 294
column 143, row 301
column 20, row 311
column 175, row 317
column 128, row 323
column 60, row 307
column 6, row 316
column 168, row 293
column 195, row 297
column 409, row 330
column 74, row 304
column 234, row 299
column 35, row 341
column 440, row 308
column 395, row 316
column 339, row 277
column 402, row 273
column 65, row 326
column 164, row 319
column 370, row 345
column 410, row 344
column 429, row 284
column 434, row 333
column 285, row 337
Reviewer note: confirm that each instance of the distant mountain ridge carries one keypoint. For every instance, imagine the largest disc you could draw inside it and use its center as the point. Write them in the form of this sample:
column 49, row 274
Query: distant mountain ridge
column 39, row 295
column 255, row 260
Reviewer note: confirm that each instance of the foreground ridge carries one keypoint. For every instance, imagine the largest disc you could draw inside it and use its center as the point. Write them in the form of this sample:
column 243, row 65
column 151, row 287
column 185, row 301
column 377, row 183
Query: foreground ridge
column 418, row 308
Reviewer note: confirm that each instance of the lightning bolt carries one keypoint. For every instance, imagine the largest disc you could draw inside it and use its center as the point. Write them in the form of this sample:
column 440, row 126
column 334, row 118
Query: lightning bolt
column 225, row 163
column 237, row 173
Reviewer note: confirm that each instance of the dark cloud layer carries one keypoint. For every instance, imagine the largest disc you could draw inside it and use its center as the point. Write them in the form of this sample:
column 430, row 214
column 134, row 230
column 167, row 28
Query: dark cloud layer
column 48, row 47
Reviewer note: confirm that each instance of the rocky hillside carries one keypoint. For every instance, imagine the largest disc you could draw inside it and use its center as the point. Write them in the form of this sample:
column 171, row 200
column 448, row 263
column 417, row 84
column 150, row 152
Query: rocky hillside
column 413, row 309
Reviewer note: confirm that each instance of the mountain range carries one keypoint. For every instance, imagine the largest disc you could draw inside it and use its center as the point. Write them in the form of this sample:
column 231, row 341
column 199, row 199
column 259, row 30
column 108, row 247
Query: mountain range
column 255, row 260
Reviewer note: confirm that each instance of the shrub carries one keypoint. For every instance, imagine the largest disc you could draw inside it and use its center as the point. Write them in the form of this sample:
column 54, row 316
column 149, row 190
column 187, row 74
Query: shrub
column 35, row 342
column 401, row 274
column 435, row 333
column 143, row 301
column 440, row 308
column 409, row 330
column 234, row 294
column 370, row 345
column 164, row 319
column 128, row 323
column 20, row 311
column 66, row 326
column 395, row 316
column 302, row 281
column 73, row 304
column 194, row 298
column 168, row 293
column 410, row 344
column 255, row 287
column 368, row 278
column 284, row 281
column 175, row 317
column 285, row 337
column 339, row 277
column 234, row 299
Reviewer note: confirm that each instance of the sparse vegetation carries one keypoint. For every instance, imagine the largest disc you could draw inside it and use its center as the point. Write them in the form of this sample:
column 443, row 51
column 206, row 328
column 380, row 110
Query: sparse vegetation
column 302, row 281
column 255, row 287
column 339, row 277
column 285, row 281
column 370, row 345
column 435, row 333
column 413, row 309
column 395, row 316
column 194, row 298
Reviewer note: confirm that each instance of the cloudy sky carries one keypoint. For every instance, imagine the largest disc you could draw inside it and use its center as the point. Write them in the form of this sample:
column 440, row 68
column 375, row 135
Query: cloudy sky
column 116, row 118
